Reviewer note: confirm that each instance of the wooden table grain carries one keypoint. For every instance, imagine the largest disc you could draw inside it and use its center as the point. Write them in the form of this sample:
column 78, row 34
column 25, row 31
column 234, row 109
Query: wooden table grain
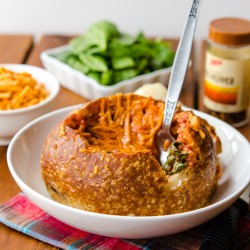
column 23, row 49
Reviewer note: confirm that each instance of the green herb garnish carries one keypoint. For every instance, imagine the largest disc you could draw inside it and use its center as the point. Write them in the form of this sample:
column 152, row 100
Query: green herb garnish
column 176, row 160
column 109, row 56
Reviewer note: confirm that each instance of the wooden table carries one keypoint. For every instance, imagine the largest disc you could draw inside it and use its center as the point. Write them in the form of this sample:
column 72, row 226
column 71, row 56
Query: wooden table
column 22, row 49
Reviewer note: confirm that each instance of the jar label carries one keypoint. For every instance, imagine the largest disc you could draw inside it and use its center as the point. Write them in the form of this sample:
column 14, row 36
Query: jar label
column 224, row 84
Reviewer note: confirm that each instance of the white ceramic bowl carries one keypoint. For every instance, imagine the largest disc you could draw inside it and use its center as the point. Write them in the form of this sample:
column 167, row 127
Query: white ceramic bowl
column 12, row 120
column 23, row 158
column 89, row 88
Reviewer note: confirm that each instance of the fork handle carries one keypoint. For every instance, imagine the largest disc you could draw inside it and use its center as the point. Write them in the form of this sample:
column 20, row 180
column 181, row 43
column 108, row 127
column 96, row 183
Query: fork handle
column 180, row 63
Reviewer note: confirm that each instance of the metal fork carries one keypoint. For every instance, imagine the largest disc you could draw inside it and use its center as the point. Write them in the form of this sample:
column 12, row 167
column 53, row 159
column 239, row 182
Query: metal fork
column 177, row 78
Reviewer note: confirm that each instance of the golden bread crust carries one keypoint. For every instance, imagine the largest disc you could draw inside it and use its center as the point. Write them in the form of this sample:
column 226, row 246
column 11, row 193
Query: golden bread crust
column 127, row 179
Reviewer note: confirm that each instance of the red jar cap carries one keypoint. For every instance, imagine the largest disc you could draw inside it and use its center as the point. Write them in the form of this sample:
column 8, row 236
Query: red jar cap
column 230, row 31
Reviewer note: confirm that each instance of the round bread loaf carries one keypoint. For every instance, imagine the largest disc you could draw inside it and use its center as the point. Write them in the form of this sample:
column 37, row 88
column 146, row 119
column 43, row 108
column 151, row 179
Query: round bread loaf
column 103, row 158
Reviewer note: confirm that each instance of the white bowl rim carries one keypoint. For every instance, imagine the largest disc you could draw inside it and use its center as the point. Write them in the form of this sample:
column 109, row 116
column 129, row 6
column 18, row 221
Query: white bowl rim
column 120, row 217
column 50, row 97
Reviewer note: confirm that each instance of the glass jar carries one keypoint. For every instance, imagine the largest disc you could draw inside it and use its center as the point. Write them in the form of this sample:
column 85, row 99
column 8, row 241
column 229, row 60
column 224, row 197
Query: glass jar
column 227, row 70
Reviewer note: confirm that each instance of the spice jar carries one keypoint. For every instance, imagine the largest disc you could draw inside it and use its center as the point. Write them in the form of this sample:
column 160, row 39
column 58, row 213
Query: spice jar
column 227, row 70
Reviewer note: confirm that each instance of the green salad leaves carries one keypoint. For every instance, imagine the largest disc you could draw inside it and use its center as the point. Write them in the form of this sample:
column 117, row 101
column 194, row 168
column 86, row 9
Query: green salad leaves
column 109, row 56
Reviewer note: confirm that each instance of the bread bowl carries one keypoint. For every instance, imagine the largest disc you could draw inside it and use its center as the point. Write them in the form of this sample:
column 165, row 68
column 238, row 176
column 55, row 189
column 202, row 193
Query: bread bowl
column 103, row 158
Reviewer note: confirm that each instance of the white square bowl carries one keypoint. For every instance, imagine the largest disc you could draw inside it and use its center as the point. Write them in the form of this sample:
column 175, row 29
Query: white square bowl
column 89, row 88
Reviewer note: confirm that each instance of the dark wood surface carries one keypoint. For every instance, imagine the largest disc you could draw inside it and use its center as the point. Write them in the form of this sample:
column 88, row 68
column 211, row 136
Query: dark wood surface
column 22, row 49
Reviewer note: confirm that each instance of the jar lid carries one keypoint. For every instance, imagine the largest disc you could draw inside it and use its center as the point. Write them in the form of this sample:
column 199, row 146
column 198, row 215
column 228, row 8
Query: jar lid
column 230, row 31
